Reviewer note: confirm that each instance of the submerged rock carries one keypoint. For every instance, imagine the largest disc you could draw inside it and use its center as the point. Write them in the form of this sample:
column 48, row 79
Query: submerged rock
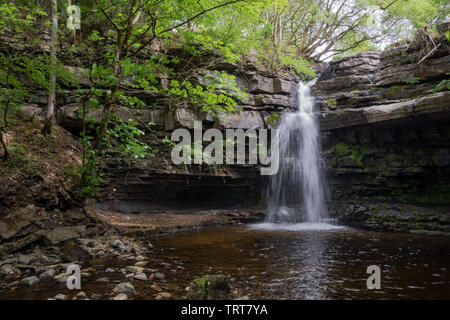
column 210, row 287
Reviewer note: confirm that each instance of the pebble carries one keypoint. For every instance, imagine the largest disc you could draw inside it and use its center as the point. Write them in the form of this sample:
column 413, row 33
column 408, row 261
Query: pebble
column 140, row 276
column 96, row 296
column 159, row 276
column 116, row 243
column 140, row 258
column 156, row 287
column 134, row 269
column 104, row 279
column 81, row 295
column 141, row 263
column 126, row 288
column 26, row 260
column 110, row 270
column 125, row 249
column 163, row 296
column 121, row 296
column 60, row 296
column 30, row 281
column 47, row 275
column 12, row 284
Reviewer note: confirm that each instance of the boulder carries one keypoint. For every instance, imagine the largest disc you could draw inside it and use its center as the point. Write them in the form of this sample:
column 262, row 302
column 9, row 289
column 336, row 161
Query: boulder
column 61, row 234
column 30, row 111
column 30, row 281
column 72, row 252
column 16, row 222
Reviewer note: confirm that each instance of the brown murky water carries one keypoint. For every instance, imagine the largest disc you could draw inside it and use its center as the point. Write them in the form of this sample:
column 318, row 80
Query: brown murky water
column 296, row 264
column 317, row 264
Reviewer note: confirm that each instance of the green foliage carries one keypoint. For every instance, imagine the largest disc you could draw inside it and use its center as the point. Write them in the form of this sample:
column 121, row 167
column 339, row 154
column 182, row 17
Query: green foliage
column 412, row 80
column 442, row 86
column 19, row 160
column 218, row 95
column 127, row 135
column 332, row 102
column 89, row 177
column 273, row 119
column 203, row 282
column 300, row 65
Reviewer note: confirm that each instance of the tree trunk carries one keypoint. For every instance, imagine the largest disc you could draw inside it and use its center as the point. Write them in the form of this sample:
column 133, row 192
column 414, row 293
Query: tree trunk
column 5, row 148
column 107, row 107
column 50, row 116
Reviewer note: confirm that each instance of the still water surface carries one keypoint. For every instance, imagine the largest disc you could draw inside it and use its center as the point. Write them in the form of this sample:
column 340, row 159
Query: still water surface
column 314, row 261
column 265, row 261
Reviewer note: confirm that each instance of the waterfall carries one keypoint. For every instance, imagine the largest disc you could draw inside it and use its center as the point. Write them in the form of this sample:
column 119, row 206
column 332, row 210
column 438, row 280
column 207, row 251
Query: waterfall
column 297, row 193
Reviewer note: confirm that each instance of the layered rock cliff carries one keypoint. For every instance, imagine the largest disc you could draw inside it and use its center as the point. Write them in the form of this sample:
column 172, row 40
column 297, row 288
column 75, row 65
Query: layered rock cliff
column 387, row 135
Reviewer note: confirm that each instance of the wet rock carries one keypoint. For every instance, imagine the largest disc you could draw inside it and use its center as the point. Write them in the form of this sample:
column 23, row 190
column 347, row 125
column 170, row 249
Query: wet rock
column 121, row 296
column 140, row 276
column 60, row 296
column 163, row 296
column 125, row 249
column 9, row 270
column 13, row 284
column 135, row 269
column 141, row 263
column 25, row 259
column 30, row 281
column 156, row 287
column 160, row 276
column 47, row 275
column 210, row 287
column 125, row 288
column 116, row 244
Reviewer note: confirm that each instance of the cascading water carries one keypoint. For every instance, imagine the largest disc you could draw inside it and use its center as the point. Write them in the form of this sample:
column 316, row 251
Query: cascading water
column 297, row 193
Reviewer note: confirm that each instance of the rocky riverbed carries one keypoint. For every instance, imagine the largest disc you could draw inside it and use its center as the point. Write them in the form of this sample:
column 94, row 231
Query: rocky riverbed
column 116, row 261
column 247, row 262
